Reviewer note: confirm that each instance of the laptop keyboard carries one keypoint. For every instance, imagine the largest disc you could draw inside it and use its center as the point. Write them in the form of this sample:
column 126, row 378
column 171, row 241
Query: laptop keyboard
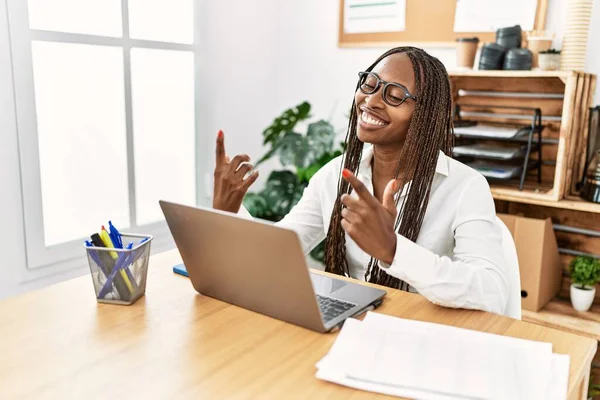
column 331, row 308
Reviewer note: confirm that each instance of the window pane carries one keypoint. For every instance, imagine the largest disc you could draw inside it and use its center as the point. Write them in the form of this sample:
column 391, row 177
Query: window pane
column 92, row 17
column 82, row 143
column 163, row 126
column 162, row 20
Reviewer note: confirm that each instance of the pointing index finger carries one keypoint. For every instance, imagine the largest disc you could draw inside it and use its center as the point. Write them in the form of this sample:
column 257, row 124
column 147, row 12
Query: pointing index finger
column 221, row 157
column 359, row 187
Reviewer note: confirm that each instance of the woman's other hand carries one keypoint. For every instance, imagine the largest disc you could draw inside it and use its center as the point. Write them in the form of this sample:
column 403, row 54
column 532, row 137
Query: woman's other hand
column 231, row 183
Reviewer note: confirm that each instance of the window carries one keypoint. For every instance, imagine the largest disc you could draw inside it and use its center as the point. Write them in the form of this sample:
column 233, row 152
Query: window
column 105, row 98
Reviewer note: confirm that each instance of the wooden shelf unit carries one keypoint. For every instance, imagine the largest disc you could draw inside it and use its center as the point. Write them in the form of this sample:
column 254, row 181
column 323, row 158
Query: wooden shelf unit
column 564, row 98
column 573, row 213
column 560, row 314
column 563, row 75
column 565, row 204
column 556, row 197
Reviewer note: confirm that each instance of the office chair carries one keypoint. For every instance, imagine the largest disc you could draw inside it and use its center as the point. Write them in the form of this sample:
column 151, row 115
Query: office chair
column 513, row 307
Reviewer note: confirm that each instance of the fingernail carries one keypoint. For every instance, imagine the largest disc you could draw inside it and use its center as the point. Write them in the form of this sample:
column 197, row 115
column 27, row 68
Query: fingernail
column 220, row 134
column 346, row 173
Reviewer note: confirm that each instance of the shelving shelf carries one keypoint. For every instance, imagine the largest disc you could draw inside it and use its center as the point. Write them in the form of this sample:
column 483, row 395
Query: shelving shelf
column 563, row 97
column 565, row 204
column 563, row 75
column 559, row 314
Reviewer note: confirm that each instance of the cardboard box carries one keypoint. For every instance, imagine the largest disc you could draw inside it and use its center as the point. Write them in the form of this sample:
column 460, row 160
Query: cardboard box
column 539, row 262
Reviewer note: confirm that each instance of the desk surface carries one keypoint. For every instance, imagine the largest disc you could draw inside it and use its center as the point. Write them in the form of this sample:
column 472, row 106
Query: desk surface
column 58, row 342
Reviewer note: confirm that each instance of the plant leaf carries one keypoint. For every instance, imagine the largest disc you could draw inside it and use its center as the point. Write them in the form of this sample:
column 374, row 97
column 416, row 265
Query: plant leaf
column 282, row 192
column 306, row 174
column 585, row 271
column 292, row 148
column 286, row 122
column 320, row 135
column 256, row 204
column 318, row 253
column 264, row 158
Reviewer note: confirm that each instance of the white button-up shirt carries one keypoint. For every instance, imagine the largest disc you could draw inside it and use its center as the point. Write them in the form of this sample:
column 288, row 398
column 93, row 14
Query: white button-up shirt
column 457, row 260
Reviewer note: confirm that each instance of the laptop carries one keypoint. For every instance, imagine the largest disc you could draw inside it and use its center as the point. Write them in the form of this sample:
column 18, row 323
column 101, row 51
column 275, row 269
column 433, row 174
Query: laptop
column 261, row 267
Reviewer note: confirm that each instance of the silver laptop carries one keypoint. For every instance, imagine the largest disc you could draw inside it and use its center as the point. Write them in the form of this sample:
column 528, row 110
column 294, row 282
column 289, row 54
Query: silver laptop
column 261, row 267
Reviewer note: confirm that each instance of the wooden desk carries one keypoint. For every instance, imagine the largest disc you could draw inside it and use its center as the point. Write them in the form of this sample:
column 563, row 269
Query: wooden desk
column 59, row 343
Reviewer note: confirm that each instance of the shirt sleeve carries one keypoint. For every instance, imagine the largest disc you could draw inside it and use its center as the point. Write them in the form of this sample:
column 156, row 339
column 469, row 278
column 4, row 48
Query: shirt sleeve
column 474, row 277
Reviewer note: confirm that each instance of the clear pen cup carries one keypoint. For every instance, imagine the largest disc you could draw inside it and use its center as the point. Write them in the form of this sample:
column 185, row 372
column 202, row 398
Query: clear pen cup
column 119, row 275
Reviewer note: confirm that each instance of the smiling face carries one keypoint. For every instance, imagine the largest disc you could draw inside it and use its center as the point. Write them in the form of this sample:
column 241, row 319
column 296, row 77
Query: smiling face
column 378, row 122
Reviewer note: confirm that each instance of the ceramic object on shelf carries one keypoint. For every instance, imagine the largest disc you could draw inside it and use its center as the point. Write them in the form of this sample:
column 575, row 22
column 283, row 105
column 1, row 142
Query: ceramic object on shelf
column 582, row 299
column 576, row 31
column 549, row 61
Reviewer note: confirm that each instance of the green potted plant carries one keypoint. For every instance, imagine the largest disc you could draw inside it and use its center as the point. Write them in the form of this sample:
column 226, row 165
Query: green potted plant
column 549, row 60
column 301, row 155
column 585, row 274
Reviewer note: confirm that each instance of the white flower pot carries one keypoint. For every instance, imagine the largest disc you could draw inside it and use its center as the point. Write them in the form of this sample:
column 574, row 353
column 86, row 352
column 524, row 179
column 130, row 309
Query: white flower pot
column 582, row 299
column 549, row 62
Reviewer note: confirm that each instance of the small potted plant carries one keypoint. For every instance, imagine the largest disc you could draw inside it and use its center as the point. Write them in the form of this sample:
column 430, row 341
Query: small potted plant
column 549, row 60
column 585, row 273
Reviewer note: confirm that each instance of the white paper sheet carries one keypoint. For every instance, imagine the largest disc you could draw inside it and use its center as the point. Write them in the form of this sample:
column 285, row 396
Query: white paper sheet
column 489, row 15
column 490, row 131
column 386, row 355
column 369, row 16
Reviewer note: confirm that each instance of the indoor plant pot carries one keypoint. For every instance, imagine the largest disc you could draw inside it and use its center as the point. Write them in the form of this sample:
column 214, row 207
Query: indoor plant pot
column 582, row 299
column 549, row 60
column 585, row 274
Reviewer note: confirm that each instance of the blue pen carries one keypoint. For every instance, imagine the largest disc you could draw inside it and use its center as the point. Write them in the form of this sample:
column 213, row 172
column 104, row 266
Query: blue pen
column 115, row 236
column 121, row 262
column 95, row 257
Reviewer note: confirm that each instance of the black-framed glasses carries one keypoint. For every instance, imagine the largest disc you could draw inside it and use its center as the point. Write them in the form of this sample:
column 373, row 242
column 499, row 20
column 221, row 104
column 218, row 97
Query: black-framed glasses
column 394, row 94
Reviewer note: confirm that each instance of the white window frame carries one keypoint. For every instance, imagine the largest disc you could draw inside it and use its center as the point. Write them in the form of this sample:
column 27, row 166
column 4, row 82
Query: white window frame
column 41, row 259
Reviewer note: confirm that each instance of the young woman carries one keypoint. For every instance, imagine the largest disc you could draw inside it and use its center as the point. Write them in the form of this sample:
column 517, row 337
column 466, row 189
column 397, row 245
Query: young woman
column 400, row 212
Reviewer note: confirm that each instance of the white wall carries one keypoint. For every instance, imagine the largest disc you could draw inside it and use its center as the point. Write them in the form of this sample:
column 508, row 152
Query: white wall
column 239, row 72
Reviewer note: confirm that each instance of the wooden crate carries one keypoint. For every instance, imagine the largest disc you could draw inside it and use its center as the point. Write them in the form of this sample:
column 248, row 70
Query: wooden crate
column 577, row 218
column 564, row 117
column 586, row 86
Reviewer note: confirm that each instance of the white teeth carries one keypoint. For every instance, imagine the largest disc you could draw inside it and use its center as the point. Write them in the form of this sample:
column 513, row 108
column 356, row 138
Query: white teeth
column 371, row 121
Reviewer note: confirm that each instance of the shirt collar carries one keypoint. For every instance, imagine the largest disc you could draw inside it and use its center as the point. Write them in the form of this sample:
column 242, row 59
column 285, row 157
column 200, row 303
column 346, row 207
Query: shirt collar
column 367, row 155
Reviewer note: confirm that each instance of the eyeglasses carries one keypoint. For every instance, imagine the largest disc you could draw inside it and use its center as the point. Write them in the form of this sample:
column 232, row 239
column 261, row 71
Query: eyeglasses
column 394, row 94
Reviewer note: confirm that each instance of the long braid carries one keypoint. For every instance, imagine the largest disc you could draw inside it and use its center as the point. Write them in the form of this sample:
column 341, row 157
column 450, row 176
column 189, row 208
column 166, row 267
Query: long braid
column 430, row 131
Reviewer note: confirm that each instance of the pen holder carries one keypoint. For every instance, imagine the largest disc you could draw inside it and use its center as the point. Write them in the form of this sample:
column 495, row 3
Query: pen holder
column 119, row 275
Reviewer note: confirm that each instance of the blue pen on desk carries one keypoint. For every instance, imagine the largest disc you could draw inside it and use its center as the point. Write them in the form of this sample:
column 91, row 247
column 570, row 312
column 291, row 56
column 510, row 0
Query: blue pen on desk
column 115, row 236
column 95, row 257
column 120, row 264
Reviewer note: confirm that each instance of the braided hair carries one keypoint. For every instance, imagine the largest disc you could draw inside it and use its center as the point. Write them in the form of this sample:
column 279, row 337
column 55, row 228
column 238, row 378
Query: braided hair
column 430, row 131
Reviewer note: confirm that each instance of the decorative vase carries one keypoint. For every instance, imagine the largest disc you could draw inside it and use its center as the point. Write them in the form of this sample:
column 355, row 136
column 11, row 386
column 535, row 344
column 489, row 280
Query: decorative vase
column 582, row 299
column 576, row 32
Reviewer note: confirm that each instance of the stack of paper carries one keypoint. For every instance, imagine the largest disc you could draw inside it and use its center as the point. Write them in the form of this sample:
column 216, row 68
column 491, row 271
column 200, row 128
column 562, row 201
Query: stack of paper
column 497, row 171
column 489, row 131
column 429, row 361
column 490, row 151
